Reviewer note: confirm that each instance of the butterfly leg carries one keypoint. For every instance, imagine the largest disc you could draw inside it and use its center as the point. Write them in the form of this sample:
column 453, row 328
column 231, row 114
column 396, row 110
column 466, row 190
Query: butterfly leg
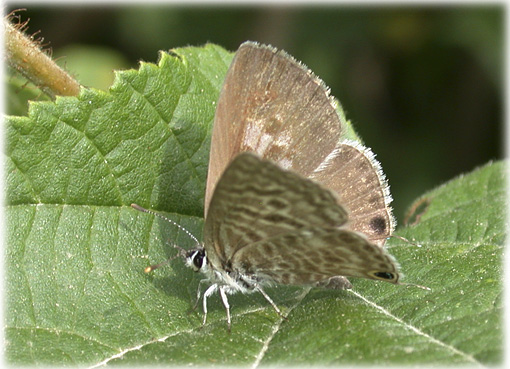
column 226, row 304
column 266, row 296
column 199, row 292
column 208, row 293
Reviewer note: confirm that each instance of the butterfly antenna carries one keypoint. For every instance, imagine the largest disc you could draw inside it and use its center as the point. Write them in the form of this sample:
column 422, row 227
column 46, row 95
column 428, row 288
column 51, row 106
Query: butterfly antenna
column 150, row 268
column 182, row 251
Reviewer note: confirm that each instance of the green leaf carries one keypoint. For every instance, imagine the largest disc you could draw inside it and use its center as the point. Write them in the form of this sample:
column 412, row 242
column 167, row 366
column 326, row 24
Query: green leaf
column 76, row 292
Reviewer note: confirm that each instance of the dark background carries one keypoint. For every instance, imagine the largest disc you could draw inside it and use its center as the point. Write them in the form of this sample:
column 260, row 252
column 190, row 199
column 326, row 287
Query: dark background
column 423, row 86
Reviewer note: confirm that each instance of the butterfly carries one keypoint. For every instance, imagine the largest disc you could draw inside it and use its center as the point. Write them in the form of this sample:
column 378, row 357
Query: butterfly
column 288, row 200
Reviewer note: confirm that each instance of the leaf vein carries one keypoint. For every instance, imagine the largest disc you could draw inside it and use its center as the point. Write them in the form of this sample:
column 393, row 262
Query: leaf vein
column 275, row 329
column 418, row 331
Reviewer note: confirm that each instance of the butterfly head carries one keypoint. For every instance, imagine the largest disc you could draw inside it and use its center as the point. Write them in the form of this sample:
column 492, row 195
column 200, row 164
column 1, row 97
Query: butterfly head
column 196, row 259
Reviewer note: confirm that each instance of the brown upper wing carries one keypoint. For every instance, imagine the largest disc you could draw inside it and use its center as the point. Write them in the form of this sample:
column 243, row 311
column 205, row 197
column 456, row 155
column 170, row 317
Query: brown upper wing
column 274, row 106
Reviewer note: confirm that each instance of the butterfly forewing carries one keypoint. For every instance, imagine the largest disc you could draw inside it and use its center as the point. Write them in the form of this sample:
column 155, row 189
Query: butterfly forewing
column 272, row 105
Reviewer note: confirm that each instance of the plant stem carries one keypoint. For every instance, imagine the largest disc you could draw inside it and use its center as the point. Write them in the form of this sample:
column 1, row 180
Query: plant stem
column 25, row 55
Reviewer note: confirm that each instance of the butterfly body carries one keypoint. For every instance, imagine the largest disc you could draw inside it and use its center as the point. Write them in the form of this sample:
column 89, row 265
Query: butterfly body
column 233, row 280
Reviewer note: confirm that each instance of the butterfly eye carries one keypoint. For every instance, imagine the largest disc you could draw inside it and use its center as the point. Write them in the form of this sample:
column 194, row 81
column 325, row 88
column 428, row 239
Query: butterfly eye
column 198, row 259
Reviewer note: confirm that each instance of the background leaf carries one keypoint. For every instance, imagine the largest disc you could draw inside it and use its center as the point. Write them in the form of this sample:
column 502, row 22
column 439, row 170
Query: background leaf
column 76, row 291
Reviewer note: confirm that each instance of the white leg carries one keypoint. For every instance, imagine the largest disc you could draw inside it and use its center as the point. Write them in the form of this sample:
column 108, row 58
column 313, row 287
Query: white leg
column 199, row 292
column 225, row 303
column 266, row 296
column 208, row 292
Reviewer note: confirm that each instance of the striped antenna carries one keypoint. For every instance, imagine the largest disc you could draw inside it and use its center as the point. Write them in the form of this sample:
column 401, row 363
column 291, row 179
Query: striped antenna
column 182, row 251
